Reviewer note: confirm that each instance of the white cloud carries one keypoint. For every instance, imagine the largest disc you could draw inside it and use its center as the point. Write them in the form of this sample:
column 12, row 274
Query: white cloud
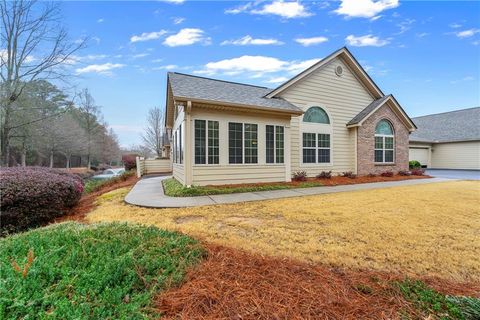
column 277, row 80
column 364, row 8
column 256, row 66
column 146, row 36
column 174, row 1
column 298, row 66
column 455, row 25
column 364, row 41
column 467, row 33
column 422, row 34
column 166, row 67
column 100, row 20
column 185, row 37
column 105, row 68
column 178, row 20
column 140, row 55
column 311, row 41
column 239, row 9
column 287, row 10
column 405, row 25
column 157, row 60
column 248, row 40
column 467, row 78
column 96, row 39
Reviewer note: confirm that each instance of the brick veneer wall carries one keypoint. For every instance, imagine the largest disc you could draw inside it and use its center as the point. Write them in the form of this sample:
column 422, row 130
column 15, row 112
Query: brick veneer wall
column 366, row 143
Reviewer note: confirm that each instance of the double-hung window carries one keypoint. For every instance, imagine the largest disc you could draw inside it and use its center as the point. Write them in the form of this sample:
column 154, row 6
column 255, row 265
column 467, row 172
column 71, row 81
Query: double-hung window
column 206, row 142
column 274, row 144
column 242, row 143
column 384, row 142
column 316, row 147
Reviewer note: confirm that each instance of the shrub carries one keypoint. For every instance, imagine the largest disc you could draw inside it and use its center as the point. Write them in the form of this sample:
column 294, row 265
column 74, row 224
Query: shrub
column 33, row 195
column 413, row 164
column 417, row 172
column 388, row 173
column 325, row 175
column 349, row 174
column 299, row 176
column 404, row 173
column 129, row 161
column 372, row 175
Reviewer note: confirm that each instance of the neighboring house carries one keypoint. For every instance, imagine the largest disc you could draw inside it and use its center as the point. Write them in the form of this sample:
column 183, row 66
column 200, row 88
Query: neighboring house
column 449, row 140
column 331, row 116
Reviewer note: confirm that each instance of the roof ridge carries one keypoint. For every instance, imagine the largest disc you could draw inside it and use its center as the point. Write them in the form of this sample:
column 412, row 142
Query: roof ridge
column 219, row 80
column 451, row 111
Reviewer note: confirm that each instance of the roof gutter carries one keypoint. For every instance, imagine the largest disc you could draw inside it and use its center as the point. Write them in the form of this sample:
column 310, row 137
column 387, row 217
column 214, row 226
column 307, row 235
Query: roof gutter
column 239, row 105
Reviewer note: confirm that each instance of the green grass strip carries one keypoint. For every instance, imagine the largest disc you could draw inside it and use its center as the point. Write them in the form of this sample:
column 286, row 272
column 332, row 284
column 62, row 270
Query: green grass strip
column 104, row 271
column 173, row 188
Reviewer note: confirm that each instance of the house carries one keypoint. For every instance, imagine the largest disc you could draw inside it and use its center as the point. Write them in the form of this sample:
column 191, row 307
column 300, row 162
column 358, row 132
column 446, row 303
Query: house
column 449, row 140
column 332, row 116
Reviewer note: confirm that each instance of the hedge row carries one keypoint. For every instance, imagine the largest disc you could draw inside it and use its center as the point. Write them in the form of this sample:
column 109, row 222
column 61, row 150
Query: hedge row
column 32, row 196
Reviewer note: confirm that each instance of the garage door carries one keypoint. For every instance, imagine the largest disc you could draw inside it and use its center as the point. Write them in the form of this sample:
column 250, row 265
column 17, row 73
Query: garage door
column 419, row 154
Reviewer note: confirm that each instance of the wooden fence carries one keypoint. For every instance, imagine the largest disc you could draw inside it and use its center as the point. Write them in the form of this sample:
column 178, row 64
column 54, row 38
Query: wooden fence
column 152, row 166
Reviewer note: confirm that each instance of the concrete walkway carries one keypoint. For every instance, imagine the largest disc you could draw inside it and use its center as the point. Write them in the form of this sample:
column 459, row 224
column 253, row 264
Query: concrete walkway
column 149, row 193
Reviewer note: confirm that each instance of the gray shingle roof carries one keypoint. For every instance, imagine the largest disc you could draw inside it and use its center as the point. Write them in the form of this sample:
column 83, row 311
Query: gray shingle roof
column 194, row 87
column 365, row 112
column 459, row 125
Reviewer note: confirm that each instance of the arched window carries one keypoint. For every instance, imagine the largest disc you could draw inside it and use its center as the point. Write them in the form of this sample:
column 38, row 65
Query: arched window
column 316, row 139
column 384, row 142
column 317, row 115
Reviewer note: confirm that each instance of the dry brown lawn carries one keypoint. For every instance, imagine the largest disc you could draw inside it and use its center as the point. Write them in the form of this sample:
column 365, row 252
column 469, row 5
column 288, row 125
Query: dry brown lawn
column 423, row 230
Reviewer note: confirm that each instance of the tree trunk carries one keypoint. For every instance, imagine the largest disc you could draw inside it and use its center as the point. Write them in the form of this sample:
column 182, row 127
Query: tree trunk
column 68, row 161
column 24, row 158
column 51, row 159
column 89, row 163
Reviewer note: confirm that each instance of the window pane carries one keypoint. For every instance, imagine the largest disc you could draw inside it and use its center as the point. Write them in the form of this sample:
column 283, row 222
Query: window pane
column 324, row 141
column 180, row 130
column 279, row 140
column 378, row 155
column 213, row 143
column 378, row 142
column 316, row 114
column 388, row 142
column 269, row 144
column 235, row 143
column 251, row 143
column 309, row 140
column 384, row 127
column 309, row 155
column 388, row 155
column 323, row 155
column 200, row 151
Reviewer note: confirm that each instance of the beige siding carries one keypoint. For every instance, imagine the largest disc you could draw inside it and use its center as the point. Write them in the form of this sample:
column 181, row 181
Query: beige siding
column 456, row 155
column 343, row 98
column 157, row 166
column 179, row 172
column 225, row 173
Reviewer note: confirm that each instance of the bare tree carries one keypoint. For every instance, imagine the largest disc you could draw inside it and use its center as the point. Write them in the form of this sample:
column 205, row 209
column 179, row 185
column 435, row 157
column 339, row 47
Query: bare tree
column 153, row 136
column 33, row 46
column 89, row 116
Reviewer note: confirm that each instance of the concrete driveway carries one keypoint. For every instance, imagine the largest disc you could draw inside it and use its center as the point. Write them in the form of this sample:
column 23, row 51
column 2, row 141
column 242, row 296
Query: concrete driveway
column 454, row 174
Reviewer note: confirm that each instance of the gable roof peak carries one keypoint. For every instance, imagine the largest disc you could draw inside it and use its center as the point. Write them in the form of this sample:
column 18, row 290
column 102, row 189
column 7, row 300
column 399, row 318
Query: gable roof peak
column 351, row 62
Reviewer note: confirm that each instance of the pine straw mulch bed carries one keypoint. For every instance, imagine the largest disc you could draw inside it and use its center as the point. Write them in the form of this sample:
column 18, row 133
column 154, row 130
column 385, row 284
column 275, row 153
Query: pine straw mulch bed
column 87, row 202
column 235, row 284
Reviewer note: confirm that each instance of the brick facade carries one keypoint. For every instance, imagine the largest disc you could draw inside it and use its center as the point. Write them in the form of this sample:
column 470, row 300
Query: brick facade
column 366, row 143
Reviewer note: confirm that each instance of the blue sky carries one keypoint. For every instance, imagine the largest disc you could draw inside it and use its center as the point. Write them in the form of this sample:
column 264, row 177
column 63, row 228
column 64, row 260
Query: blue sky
column 426, row 53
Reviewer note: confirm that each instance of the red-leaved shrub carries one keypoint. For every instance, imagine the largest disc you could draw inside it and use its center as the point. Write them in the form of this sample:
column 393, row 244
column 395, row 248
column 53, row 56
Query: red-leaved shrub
column 299, row 176
column 129, row 161
column 32, row 196
column 388, row 173
column 417, row 172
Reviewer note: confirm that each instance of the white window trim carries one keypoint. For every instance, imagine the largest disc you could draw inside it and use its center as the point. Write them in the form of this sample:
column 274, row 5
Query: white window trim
column 274, row 163
column 383, row 136
column 206, row 164
column 316, row 163
column 243, row 145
